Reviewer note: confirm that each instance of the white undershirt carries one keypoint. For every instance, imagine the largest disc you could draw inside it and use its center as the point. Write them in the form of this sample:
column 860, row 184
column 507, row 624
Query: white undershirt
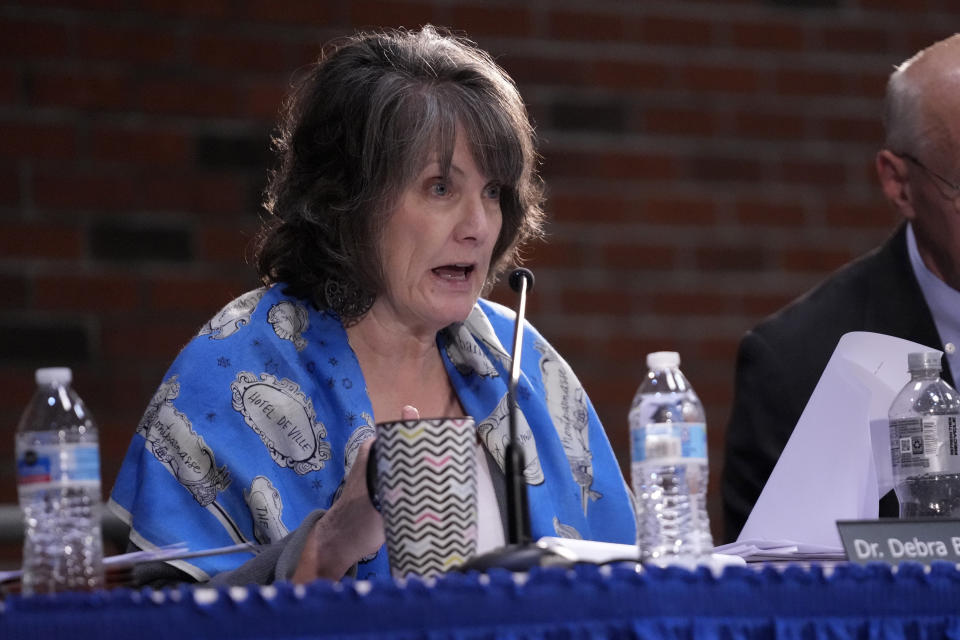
column 489, row 523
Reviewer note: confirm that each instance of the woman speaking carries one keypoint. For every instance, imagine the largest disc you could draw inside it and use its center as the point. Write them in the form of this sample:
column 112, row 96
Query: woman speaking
column 406, row 182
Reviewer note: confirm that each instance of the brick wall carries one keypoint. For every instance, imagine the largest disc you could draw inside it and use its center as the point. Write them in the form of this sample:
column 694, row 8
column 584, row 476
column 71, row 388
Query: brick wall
column 706, row 162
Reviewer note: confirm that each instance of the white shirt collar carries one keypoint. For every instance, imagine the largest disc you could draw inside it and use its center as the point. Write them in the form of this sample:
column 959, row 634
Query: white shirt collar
column 944, row 303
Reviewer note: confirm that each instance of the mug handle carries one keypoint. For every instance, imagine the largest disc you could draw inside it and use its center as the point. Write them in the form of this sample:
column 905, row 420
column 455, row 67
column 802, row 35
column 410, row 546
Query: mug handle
column 372, row 477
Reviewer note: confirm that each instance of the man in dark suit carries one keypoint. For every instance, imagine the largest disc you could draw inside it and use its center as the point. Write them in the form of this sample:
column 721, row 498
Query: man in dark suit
column 909, row 287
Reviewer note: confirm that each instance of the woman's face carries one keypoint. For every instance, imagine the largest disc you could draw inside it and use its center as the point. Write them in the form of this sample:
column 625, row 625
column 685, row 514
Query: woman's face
column 437, row 244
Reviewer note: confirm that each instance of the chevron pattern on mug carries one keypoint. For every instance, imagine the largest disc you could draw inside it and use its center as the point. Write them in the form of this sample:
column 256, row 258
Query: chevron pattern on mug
column 426, row 485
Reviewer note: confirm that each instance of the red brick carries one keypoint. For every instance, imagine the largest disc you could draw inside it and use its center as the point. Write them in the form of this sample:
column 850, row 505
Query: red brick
column 610, row 165
column 33, row 39
column 921, row 36
column 859, row 39
column 566, row 207
column 768, row 35
column 493, row 20
column 193, row 294
column 38, row 141
column 826, row 173
column 73, row 5
column 717, row 348
column 721, row 79
column 602, row 302
column 211, row 193
column 852, row 214
column 720, row 169
column 84, row 89
column 100, row 293
column 680, row 121
column 677, row 31
column 906, row 6
column 538, row 70
column 777, row 126
column 555, row 252
column 297, row 13
column 634, row 256
column 141, row 146
column 621, row 74
column 721, row 258
column 132, row 45
column 679, row 210
column 768, row 213
column 809, row 259
column 579, row 25
column 147, row 341
column 799, row 82
column 189, row 96
column 760, row 305
column 396, row 14
column 263, row 100
column 14, row 291
column 191, row 8
column 73, row 190
column 851, row 129
column 693, row 303
column 227, row 244
column 41, row 240
column 9, row 85
column 241, row 53
column 9, row 185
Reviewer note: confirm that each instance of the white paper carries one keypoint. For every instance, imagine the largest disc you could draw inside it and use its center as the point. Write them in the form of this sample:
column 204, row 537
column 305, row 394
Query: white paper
column 836, row 464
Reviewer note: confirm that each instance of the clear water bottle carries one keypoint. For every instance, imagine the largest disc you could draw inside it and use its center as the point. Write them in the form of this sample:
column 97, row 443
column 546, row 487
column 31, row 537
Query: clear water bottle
column 668, row 444
column 58, row 482
column 923, row 442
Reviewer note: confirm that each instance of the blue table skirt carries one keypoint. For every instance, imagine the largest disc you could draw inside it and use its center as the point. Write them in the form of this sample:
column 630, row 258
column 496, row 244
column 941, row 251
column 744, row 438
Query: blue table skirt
column 869, row 603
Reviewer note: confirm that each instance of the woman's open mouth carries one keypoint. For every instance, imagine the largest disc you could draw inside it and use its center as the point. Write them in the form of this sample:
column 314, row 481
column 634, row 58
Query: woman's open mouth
column 454, row 271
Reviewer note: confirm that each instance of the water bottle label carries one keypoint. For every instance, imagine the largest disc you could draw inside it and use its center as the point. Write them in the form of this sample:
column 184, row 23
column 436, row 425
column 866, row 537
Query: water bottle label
column 926, row 444
column 47, row 466
column 663, row 441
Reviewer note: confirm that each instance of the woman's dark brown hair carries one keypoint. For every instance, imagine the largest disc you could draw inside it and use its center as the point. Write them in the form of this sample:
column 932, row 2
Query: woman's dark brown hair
column 359, row 125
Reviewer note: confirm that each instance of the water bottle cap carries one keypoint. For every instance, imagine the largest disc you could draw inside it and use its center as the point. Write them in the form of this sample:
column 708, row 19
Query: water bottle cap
column 663, row 359
column 923, row 360
column 54, row 375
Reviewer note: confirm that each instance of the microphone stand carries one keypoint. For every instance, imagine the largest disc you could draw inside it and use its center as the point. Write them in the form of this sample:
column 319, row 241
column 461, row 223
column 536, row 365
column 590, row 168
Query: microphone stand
column 520, row 553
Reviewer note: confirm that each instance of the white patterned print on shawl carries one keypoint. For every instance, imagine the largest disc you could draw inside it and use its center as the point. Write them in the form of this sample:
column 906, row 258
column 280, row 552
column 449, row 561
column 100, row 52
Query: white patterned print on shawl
column 289, row 320
column 565, row 530
column 494, row 432
column 465, row 353
column 567, row 404
column 172, row 440
column 479, row 325
column 284, row 418
column 233, row 316
column 266, row 509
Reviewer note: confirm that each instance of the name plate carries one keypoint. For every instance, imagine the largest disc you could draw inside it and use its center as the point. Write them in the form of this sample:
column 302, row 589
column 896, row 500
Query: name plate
column 923, row 540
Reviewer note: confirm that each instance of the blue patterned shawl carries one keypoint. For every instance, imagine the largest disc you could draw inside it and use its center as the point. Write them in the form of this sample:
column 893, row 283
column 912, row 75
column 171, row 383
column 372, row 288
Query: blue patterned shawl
column 260, row 417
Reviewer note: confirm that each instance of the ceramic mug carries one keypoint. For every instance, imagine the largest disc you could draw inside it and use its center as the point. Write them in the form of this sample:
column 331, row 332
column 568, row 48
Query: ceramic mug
column 423, row 481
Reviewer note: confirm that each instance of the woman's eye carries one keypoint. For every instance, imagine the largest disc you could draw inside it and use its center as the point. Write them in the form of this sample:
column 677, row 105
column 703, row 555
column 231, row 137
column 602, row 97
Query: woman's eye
column 439, row 189
column 493, row 191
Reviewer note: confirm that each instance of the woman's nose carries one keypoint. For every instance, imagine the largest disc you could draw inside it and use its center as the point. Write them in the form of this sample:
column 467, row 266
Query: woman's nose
column 476, row 217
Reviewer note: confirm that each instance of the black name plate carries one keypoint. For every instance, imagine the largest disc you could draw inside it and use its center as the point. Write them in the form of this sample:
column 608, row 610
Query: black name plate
column 924, row 540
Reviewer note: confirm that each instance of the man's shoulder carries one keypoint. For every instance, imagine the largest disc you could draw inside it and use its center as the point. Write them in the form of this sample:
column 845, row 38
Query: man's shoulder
column 839, row 303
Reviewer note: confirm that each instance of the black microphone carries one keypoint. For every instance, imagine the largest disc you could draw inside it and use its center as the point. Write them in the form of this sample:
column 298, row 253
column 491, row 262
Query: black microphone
column 520, row 553
column 518, row 512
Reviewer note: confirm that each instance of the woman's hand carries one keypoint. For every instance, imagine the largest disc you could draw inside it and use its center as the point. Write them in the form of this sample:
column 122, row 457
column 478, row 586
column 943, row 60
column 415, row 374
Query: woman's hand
column 350, row 530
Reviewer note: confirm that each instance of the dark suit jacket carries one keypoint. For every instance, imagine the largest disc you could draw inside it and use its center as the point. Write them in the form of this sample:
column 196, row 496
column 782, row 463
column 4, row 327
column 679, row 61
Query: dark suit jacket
column 780, row 362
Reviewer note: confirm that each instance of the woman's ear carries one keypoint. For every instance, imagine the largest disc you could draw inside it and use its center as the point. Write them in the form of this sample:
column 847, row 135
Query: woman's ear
column 892, row 172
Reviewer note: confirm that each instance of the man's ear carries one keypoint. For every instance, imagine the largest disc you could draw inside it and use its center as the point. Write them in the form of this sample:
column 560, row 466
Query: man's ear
column 892, row 172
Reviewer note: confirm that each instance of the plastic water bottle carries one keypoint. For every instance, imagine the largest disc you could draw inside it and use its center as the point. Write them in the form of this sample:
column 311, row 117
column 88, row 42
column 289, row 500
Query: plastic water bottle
column 668, row 439
column 58, row 482
column 923, row 442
